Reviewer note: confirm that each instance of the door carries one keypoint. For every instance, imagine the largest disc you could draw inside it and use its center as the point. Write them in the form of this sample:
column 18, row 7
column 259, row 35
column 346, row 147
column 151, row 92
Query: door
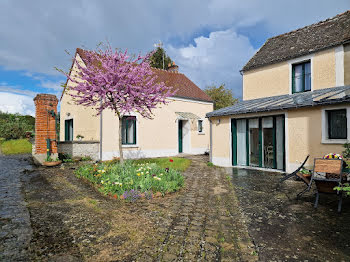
column 254, row 145
column 68, row 130
column 268, row 142
column 180, row 136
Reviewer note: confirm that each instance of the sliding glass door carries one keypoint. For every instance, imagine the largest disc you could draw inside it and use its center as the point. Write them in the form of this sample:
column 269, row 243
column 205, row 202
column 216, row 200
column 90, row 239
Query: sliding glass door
column 254, row 142
column 259, row 142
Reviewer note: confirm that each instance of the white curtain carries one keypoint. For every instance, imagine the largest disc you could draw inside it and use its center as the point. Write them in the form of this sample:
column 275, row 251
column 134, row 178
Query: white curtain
column 130, row 133
column 241, row 142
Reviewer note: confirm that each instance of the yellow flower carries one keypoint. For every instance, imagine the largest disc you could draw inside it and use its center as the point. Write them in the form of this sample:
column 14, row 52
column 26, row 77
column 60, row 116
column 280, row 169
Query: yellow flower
column 138, row 174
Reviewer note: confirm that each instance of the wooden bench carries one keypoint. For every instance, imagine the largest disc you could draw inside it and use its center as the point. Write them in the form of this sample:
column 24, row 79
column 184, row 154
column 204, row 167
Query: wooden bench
column 327, row 174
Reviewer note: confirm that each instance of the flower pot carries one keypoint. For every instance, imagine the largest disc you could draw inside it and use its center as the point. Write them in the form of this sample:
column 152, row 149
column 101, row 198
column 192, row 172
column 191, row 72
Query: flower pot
column 52, row 163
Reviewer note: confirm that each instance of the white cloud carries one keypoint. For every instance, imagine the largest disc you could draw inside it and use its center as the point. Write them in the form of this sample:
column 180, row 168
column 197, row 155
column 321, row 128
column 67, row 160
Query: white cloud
column 36, row 33
column 56, row 86
column 14, row 103
column 215, row 60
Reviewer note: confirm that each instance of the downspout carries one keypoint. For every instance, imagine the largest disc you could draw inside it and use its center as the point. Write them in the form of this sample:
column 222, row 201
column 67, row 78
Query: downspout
column 101, row 134
column 211, row 142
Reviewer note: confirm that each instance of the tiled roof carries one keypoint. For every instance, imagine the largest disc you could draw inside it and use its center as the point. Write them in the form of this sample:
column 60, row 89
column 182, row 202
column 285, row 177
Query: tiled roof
column 326, row 96
column 185, row 87
column 316, row 37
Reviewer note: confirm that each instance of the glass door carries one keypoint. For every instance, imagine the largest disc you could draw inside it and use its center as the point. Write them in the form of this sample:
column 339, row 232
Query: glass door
column 268, row 142
column 254, row 142
column 280, row 152
column 241, row 142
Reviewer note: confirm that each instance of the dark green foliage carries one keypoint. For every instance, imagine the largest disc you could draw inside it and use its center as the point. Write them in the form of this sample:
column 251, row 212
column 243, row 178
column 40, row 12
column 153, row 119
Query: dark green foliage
column 157, row 59
column 15, row 126
column 346, row 152
column 222, row 97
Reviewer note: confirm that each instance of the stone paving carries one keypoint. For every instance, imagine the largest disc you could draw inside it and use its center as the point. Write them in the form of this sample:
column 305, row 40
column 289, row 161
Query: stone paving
column 202, row 222
column 15, row 230
column 286, row 229
column 220, row 215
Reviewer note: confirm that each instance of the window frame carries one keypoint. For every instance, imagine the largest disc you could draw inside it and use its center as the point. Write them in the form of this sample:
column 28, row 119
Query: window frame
column 329, row 122
column 134, row 143
column 302, row 63
column 202, row 131
column 325, row 126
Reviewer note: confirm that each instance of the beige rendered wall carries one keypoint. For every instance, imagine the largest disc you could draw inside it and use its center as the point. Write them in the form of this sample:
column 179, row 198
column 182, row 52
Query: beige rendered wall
column 323, row 69
column 347, row 64
column 85, row 121
column 305, row 137
column 274, row 80
column 158, row 136
column 271, row 80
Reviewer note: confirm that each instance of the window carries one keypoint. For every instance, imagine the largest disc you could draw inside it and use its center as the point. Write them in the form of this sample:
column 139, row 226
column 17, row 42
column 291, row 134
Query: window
column 337, row 124
column 301, row 77
column 200, row 126
column 129, row 130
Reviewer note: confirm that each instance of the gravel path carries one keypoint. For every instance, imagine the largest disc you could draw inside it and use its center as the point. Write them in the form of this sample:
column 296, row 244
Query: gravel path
column 15, row 230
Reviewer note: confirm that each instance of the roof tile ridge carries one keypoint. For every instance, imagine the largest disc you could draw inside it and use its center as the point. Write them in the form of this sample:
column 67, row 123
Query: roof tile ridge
column 314, row 24
column 164, row 70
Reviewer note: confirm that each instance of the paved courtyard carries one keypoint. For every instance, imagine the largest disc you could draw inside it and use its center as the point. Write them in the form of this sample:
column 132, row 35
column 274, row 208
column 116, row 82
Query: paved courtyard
column 221, row 215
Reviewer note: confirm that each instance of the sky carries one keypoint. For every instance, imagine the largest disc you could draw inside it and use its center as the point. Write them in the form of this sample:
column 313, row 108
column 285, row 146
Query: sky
column 210, row 40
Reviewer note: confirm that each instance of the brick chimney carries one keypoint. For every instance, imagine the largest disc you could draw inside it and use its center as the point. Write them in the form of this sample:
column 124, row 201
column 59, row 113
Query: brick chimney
column 173, row 68
column 45, row 127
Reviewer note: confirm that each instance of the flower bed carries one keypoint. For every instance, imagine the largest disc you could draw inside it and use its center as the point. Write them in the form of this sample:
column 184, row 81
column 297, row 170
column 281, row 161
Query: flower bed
column 132, row 180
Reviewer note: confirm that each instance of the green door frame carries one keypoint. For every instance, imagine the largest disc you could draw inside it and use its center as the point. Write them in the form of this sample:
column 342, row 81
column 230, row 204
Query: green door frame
column 180, row 138
column 234, row 141
column 68, row 130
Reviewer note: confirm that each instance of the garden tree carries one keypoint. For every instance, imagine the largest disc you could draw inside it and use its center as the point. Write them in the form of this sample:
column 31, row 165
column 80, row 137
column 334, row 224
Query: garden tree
column 156, row 59
column 113, row 80
column 222, row 96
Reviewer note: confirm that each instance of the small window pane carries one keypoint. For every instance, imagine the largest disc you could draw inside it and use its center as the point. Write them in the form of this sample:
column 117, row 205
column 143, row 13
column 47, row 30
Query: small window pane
column 307, row 76
column 298, row 78
column 337, row 124
column 129, row 130
column 200, row 126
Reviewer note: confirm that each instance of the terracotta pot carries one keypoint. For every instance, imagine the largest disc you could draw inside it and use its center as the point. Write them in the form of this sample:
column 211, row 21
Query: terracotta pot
column 52, row 163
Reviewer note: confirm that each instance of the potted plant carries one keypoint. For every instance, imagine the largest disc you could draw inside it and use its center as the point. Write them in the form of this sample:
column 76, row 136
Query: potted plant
column 51, row 162
column 80, row 137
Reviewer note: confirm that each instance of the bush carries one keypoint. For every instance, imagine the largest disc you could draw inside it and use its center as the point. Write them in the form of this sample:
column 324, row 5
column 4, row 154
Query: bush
column 118, row 179
column 15, row 126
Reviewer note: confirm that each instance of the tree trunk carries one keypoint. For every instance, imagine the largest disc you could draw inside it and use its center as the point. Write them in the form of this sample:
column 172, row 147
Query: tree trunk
column 120, row 140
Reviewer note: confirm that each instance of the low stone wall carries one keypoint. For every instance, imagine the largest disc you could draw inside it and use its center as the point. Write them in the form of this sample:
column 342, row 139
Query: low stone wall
column 80, row 148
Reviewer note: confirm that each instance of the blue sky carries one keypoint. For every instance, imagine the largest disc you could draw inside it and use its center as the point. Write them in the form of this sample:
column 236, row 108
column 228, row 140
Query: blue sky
column 210, row 40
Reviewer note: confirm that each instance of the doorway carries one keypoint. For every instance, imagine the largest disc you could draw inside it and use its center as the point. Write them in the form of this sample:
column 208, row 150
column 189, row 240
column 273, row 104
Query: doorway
column 259, row 142
column 180, row 136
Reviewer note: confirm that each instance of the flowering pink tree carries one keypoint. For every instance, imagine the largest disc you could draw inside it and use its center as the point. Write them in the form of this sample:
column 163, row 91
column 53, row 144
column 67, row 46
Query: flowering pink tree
column 112, row 80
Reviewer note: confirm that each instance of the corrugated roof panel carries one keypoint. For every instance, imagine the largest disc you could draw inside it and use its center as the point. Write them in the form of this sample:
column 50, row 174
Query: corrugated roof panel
column 318, row 97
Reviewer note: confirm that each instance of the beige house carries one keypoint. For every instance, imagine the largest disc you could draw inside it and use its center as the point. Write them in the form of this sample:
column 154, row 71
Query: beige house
column 296, row 101
column 178, row 127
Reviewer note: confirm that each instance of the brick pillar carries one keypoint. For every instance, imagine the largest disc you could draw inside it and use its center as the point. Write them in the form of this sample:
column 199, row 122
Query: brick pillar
column 45, row 126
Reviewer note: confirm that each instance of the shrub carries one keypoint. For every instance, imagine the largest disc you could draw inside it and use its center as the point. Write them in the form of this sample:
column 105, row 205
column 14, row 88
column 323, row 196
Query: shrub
column 131, row 177
column 15, row 126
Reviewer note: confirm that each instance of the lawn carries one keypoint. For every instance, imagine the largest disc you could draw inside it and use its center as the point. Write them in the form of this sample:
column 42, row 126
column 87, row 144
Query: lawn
column 180, row 164
column 136, row 177
column 18, row 146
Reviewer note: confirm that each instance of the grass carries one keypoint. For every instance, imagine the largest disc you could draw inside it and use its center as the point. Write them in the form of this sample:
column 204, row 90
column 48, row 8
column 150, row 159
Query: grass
column 180, row 164
column 18, row 146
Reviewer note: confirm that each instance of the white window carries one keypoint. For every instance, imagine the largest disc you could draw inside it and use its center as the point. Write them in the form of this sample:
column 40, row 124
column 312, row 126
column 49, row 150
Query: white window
column 200, row 126
column 335, row 125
